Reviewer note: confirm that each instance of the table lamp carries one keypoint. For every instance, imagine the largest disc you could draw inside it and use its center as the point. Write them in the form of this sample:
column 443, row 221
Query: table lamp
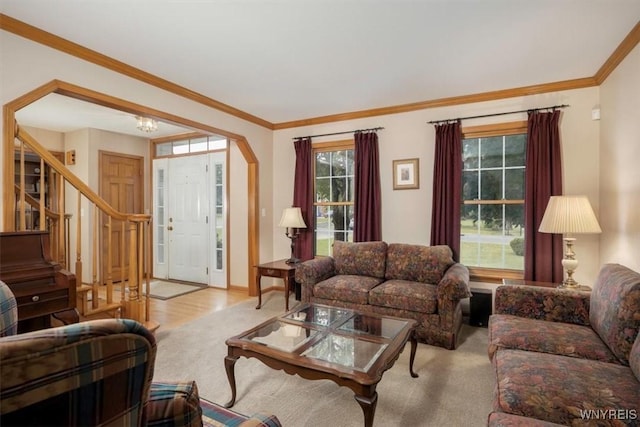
column 292, row 221
column 569, row 215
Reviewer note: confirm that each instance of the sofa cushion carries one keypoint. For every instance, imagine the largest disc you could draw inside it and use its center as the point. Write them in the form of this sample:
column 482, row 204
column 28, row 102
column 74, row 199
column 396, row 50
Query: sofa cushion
column 562, row 389
column 507, row 331
column 362, row 258
column 346, row 287
column 405, row 295
column 615, row 307
column 426, row 264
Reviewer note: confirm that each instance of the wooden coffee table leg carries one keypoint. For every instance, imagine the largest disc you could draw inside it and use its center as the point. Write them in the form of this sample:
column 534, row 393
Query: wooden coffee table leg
column 229, row 364
column 368, row 405
column 412, row 357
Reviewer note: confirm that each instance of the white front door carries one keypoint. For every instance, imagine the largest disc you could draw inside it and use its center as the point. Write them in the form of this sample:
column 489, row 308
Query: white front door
column 190, row 221
column 188, row 213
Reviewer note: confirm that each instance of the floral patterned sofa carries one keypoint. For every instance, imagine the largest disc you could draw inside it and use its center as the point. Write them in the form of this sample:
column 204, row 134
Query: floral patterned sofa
column 563, row 357
column 402, row 280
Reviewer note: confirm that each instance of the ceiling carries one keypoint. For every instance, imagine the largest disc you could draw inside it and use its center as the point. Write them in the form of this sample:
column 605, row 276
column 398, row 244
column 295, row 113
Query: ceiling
column 288, row 60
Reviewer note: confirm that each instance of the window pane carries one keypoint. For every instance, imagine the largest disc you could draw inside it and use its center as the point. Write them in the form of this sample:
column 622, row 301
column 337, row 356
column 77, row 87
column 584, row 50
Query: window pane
column 180, row 147
column 470, row 185
column 164, row 149
column 324, row 236
column 323, row 189
column 514, row 217
column 198, row 144
column 514, row 180
column 491, row 152
column 515, row 150
column 491, row 185
column 323, row 167
column 470, row 154
column 339, row 186
column 217, row 143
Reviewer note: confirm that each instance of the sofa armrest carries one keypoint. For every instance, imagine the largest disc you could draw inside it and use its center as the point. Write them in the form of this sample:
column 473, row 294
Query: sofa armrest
column 313, row 271
column 51, row 376
column 455, row 283
column 551, row 304
column 173, row 404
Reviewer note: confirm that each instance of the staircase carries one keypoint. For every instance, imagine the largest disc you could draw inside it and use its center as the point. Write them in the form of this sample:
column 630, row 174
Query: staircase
column 114, row 291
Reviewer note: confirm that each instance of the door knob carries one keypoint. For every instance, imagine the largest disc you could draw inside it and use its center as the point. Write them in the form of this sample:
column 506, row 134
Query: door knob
column 169, row 228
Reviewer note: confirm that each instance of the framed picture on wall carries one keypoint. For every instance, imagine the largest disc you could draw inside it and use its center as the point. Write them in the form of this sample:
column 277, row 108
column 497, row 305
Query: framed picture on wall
column 406, row 174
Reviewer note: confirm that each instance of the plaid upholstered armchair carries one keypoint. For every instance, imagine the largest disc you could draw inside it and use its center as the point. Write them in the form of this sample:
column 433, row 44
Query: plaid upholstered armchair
column 95, row 373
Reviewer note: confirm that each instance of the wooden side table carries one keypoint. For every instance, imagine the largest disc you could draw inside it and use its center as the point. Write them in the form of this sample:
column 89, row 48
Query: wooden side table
column 279, row 269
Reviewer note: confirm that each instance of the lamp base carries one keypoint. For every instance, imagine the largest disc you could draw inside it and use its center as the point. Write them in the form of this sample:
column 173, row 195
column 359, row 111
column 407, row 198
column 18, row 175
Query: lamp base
column 575, row 287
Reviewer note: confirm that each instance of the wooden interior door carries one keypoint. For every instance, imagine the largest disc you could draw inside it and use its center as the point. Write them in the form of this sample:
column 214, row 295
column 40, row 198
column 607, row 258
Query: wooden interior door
column 121, row 185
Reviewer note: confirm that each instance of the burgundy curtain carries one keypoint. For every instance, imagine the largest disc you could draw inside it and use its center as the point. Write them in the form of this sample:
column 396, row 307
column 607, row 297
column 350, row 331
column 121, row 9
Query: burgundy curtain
column 447, row 188
column 368, row 206
column 543, row 179
column 303, row 197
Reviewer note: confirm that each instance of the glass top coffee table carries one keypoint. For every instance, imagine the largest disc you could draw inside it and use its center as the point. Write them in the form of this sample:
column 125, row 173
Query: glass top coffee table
column 321, row 342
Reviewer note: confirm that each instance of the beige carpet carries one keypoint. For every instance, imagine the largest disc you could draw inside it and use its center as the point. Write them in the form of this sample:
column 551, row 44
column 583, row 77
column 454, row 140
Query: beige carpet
column 164, row 290
column 454, row 388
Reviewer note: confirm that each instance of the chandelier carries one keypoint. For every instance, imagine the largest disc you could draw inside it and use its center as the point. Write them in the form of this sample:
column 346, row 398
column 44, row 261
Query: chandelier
column 146, row 124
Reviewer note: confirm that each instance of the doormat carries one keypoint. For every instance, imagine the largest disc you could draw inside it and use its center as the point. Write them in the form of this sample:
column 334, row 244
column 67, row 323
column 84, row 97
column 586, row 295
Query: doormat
column 164, row 290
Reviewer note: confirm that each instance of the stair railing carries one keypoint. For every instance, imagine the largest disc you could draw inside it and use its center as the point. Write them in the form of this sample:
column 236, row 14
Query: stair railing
column 133, row 247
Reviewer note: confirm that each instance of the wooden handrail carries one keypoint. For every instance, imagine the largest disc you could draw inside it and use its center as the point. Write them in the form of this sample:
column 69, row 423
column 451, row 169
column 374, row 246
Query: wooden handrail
column 34, row 203
column 83, row 188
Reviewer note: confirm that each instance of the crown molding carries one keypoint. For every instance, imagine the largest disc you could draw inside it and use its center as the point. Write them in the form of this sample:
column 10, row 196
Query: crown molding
column 40, row 36
column 444, row 102
column 618, row 55
column 37, row 35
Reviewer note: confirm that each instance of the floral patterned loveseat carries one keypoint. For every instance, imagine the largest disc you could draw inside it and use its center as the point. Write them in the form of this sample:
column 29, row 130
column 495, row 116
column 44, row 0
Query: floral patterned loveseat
column 563, row 357
column 410, row 281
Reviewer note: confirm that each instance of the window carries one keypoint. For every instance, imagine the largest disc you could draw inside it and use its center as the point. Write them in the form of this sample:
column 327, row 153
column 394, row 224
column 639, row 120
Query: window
column 492, row 217
column 191, row 144
column 333, row 189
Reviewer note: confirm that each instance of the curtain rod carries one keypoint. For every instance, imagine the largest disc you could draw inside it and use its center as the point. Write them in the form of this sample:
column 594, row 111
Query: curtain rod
column 497, row 114
column 338, row 133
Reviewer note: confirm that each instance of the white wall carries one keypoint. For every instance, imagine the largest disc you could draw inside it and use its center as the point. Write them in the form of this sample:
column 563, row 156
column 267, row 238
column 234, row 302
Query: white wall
column 27, row 65
column 406, row 215
column 619, row 162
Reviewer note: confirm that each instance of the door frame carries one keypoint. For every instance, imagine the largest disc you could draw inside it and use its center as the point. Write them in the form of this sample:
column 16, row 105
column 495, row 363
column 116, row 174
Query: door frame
column 88, row 95
column 163, row 271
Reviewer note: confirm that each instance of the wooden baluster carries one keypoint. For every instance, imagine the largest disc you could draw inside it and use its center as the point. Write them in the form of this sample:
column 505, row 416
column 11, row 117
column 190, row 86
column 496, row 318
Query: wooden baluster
column 22, row 207
column 123, row 251
column 67, row 241
column 109, row 268
column 79, row 282
column 94, row 261
column 147, row 269
column 41, row 196
column 62, row 223
column 132, row 305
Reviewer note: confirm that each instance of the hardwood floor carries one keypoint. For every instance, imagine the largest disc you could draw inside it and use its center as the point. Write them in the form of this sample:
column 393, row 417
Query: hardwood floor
column 177, row 311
